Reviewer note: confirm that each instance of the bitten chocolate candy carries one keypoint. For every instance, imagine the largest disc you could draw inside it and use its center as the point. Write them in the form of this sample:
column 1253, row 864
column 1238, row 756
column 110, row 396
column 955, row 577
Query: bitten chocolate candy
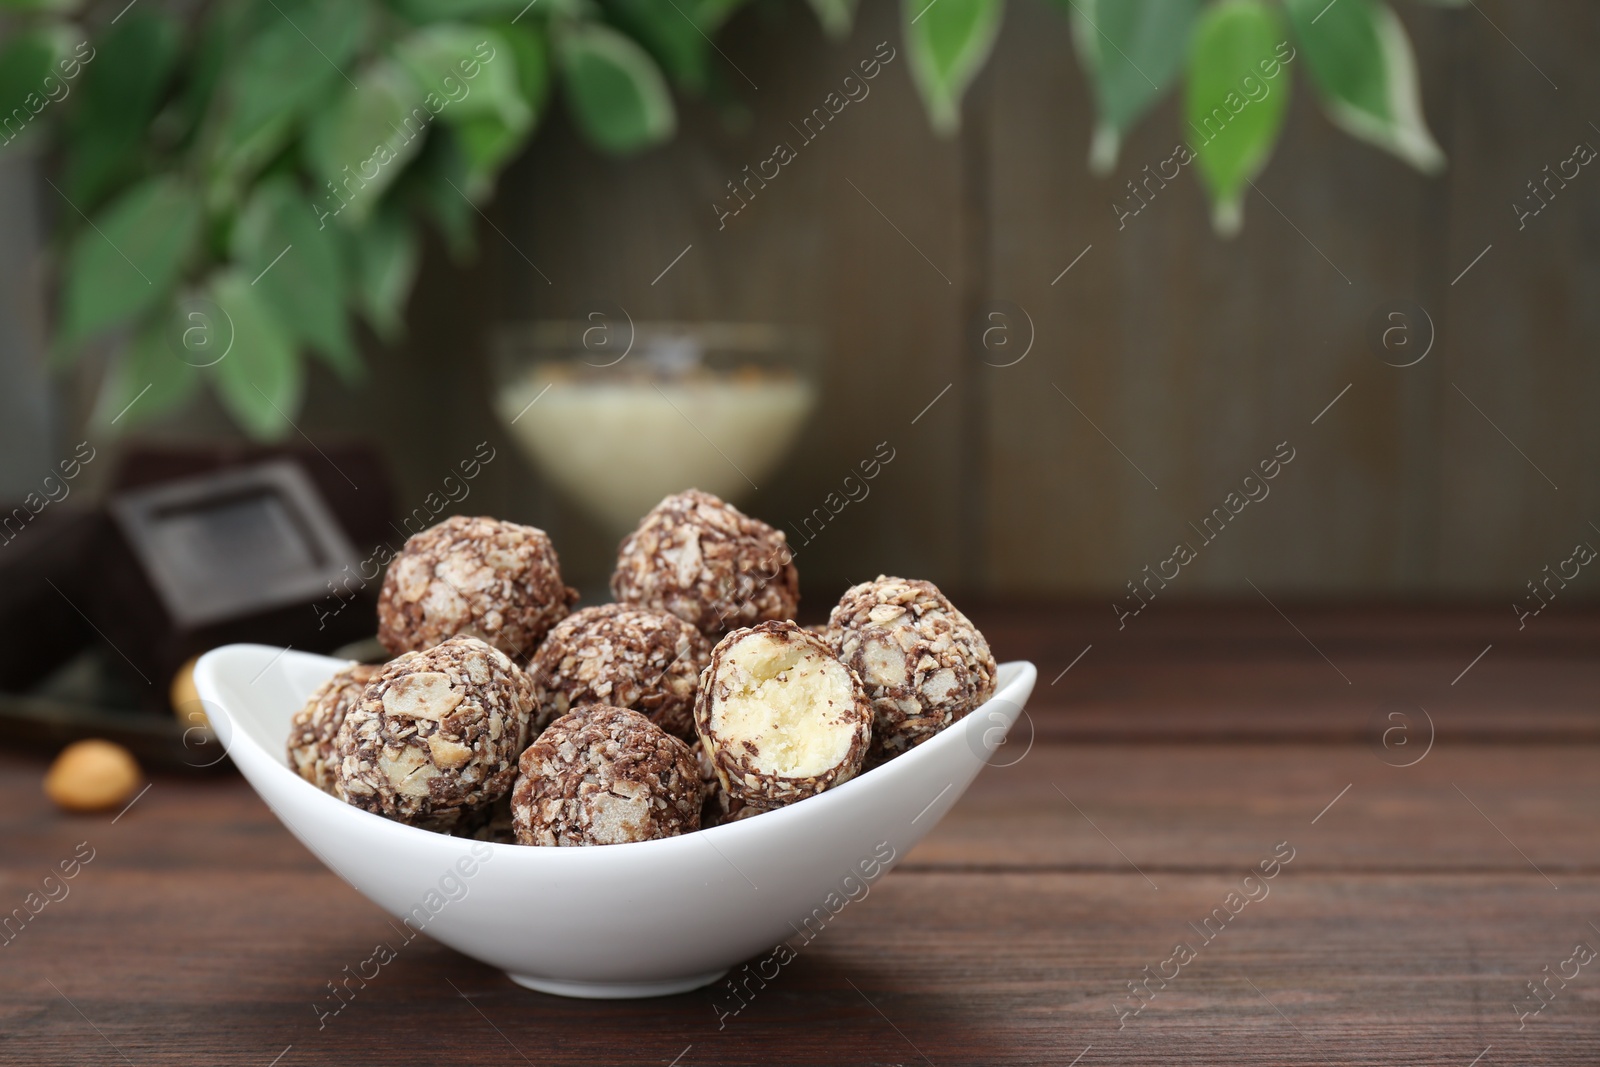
column 923, row 663
column 314, row 728
column 473, row 577
column 719, row 807
column 780, row 717
column 434, row 739
column 604, row 776
column 708, row 563
column 623, row 657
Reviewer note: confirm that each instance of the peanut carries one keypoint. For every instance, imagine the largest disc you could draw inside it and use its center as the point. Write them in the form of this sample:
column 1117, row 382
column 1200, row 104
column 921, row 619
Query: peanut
column 92, row 776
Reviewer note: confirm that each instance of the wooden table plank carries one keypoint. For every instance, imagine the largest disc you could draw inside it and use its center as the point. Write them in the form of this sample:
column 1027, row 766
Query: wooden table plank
column 1213, row 807
column 971, row 968
column 1187, row 671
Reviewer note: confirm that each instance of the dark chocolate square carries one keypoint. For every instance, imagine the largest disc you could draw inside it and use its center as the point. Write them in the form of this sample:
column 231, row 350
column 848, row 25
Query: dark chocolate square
column 233, row 544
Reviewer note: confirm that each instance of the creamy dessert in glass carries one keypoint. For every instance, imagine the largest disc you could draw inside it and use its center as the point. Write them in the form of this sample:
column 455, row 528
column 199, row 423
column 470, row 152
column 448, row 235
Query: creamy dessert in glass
column 619, row 415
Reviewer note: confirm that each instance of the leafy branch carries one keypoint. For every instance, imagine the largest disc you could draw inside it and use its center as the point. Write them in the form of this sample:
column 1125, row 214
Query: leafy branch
column 243, row 188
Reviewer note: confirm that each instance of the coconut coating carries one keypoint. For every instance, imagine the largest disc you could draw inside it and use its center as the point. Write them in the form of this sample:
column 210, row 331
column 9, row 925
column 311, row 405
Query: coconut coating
column 623, row 657
column 314, row 728
column 719, row 807
column 779, row 716
column 473, row 577
column 604, row 776
column 434, row 739
column 709, row 564
column 923, row 663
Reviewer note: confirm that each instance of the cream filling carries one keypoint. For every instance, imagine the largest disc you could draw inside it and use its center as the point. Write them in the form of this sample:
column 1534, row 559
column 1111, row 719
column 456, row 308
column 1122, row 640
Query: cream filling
column 792, row 702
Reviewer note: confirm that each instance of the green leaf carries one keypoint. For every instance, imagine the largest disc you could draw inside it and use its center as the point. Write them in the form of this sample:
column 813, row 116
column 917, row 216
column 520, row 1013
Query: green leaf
column 469, row 71
column 385, row 256
column 616, row 93
column 259, row 380
column 290, row 67
column 1133, row 51
column 126, row 72
column 216, row 50
column 530, row 52
column 710, row 15
column 25, row 61
column 55, row 6
column 1234, row 108
column 149, row 380
column 1362, row 65
column 295, row 266
column 359, row 146
column 488, row 143
column 836, row 16
column 674, row 36
column 437, row 185
column 455, row 10
column 131, row 259
column 948, row 41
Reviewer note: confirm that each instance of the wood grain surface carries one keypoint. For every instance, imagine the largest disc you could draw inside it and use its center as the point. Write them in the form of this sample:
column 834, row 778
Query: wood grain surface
column 1418, row 903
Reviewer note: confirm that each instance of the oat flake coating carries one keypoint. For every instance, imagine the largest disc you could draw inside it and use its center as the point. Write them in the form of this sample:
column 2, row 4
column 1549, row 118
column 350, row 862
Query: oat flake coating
column 923, row 663
column 434, row 739
column 622, row 657
column 604, row 776
column 708, row 563
column 315, row 726
column 779, row 716
column 473, row 577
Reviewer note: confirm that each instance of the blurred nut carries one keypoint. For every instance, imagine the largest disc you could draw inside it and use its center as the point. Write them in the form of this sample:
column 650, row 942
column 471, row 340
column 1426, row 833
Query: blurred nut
column 92, row 776
column 182, row 690
column 185, row 698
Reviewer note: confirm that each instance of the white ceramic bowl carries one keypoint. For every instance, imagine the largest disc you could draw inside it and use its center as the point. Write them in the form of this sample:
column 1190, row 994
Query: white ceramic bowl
column 633, row 920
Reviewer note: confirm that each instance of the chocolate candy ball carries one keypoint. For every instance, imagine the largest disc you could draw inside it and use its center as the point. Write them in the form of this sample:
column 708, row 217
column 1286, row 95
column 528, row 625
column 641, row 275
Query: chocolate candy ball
column 708, row 563
column 434, row 739
column 495, row 827
column 923, row 663
column 315, row 727
column 780, row 717
column 604, row 776
column 473, row 577
column 623, row 657
column 719, row 807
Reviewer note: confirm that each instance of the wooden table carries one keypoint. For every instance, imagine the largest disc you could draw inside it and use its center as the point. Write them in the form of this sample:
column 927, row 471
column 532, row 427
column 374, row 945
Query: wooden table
column 1169, row 761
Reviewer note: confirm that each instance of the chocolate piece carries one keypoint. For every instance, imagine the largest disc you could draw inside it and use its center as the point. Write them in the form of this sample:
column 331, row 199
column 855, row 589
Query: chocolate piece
column 313, row 729
column 780, row 717
column 623, row 657
column 604, row 776
column 351, row 477
column 923, row 663
column 473, row 577
column 251, row 554
column 707, row 563
column 434, row 739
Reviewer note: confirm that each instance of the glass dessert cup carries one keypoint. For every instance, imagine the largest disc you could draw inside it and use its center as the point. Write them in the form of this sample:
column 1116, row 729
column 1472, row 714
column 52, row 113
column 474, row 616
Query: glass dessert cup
column 618, row 415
